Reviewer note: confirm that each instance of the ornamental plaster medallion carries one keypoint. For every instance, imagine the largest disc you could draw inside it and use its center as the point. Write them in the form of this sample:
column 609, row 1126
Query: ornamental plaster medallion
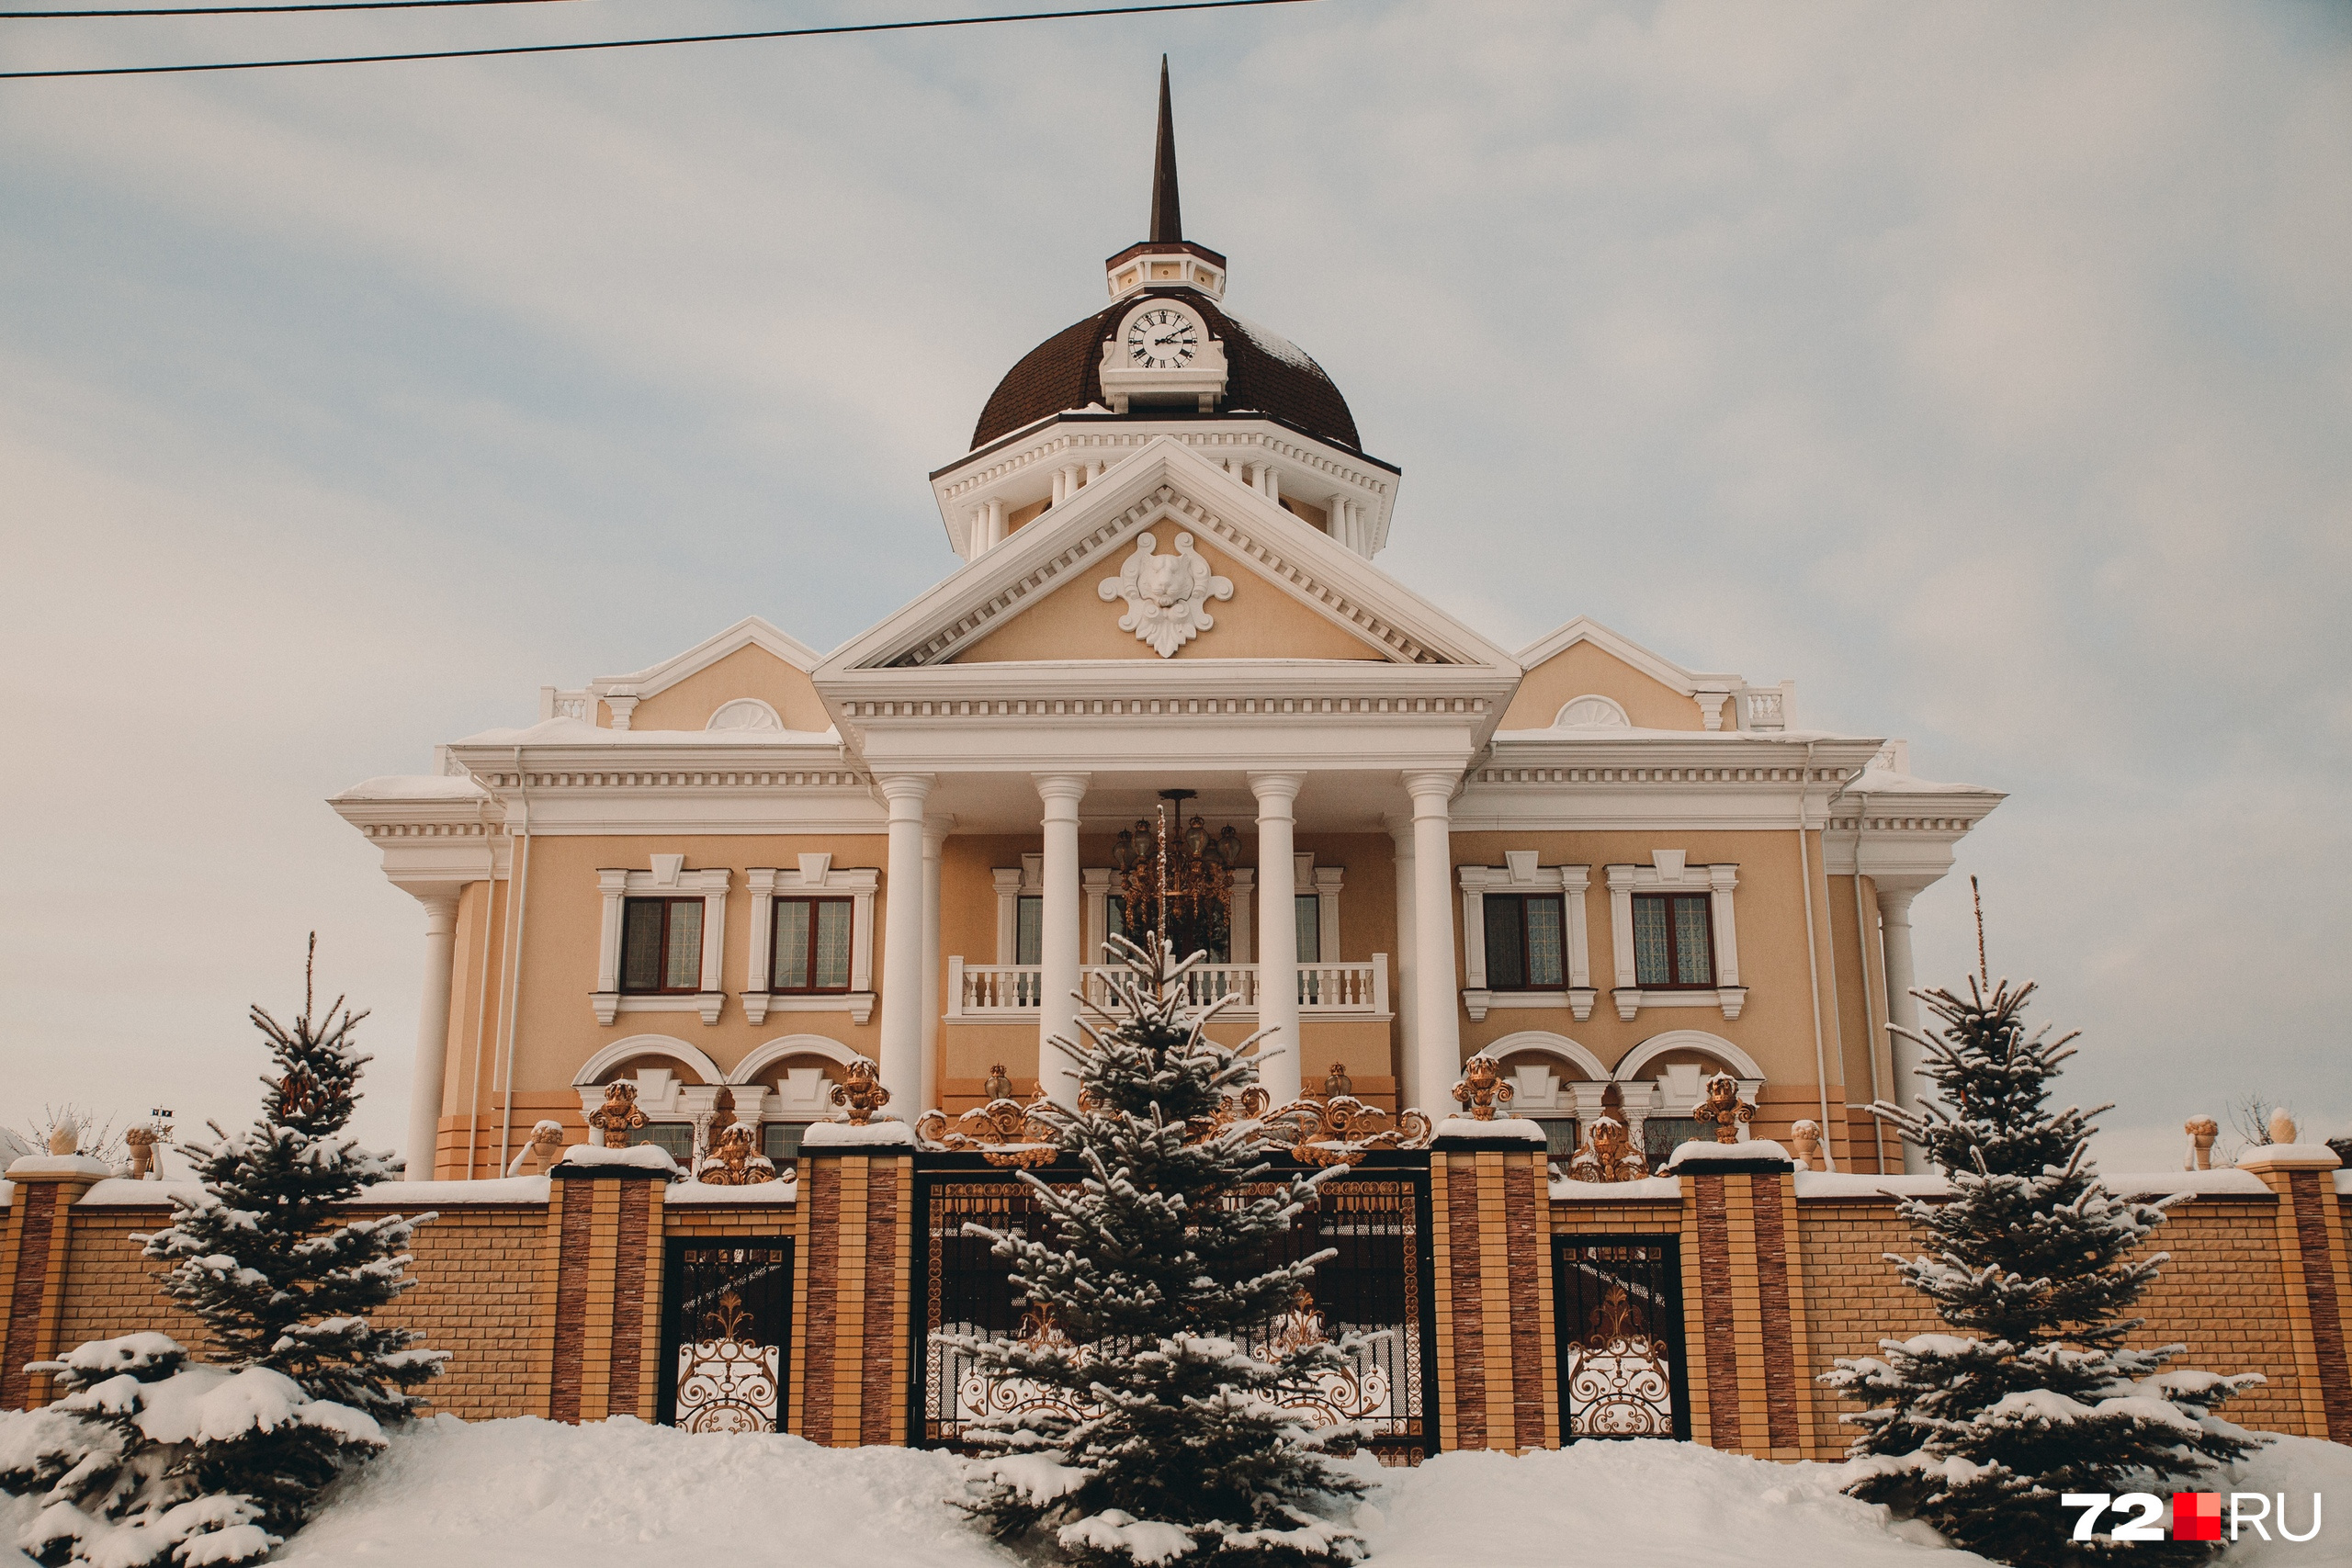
column 1167, row 595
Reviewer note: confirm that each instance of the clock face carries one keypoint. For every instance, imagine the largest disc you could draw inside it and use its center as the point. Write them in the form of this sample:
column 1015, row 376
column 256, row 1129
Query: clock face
column 1163, row 339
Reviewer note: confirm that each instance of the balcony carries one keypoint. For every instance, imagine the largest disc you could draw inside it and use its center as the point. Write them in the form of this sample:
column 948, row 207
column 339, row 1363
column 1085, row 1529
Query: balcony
column 1009, row 993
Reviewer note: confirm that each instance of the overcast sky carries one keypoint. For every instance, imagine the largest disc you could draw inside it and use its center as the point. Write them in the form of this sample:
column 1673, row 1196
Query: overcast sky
column 1984, row 368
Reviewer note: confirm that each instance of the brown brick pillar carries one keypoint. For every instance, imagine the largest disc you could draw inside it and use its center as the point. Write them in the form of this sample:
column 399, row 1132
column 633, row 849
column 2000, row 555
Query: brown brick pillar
column 854, row 1287
column 600, row 1284
column 2312, row 1252
column 32, row 1264
column 1744, row 1324
column 1491, row 1252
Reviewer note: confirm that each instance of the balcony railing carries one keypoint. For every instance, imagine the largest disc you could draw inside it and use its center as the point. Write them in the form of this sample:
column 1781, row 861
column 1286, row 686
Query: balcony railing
column 1007, row 992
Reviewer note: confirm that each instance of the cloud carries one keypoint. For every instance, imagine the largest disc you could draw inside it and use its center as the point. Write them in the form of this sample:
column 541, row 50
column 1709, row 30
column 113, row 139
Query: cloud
column 1986, row 370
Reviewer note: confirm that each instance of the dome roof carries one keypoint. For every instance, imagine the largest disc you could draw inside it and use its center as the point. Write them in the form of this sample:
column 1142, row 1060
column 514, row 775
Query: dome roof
column 1266, row 374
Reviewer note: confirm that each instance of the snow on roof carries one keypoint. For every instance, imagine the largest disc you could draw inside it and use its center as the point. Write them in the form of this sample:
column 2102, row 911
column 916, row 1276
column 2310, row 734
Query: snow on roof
column 1697, row 1152
column 1566, row 1191
column 1273, row 345
column 417, row 1194
column 562, row 731
column 415, row 787
column 120, row 1192
column 642, row 1157
column 1514, row 1127
column 1722, row 736
column 60, row 1165
column 1885, row 780
column 784, row 1189
column 849, row 1134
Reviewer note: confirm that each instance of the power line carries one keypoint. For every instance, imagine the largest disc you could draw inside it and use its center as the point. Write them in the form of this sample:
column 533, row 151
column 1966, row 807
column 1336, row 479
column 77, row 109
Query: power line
column 270, row 10
column 640, row 42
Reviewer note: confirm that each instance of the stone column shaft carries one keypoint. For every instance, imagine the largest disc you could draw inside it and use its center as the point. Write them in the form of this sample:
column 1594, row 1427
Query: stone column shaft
column 432, row 1034
column 1281, row 1053
column 1061, row 935
column 1438, row 1053
column 902, row 943
column 1902, row 1009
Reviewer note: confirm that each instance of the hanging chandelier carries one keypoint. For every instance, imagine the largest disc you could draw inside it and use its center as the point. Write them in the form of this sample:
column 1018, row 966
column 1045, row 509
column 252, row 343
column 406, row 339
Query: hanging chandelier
column 1176, row 879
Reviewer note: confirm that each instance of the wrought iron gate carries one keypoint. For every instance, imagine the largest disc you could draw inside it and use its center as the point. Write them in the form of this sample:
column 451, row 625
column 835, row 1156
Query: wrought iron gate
column 1620, row 1303
column 1377, row 1218
column 726, row 1334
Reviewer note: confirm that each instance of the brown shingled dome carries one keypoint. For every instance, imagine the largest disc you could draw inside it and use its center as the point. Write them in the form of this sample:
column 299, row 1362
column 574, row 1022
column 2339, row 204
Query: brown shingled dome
column 1265, row 374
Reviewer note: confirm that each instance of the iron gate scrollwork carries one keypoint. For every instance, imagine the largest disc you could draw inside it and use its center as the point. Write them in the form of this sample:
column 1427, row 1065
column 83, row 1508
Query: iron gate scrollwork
column 1620, row 1304
column 1376, row 1218
column 726, row 1334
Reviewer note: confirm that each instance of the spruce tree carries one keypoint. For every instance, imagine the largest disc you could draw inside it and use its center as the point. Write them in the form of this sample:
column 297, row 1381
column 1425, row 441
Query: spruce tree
column 264, row 1253
column 150, row 1457
column 2034, row 1395
column 1150, row 1302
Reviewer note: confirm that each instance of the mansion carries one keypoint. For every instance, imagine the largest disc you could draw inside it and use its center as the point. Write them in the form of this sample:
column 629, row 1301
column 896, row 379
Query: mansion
column 812, row 926
column 754, row 863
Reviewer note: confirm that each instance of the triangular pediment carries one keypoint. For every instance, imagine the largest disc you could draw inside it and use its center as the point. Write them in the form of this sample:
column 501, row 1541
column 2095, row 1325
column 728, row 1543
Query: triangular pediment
column 1584, row 660
column 1296, row 594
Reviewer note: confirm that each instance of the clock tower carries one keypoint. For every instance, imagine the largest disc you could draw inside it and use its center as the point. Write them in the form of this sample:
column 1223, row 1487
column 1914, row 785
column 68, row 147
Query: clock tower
column 1166, row 358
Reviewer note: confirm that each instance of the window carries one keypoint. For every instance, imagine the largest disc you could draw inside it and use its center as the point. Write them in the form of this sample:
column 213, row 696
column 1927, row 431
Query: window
column 1029, row 937
column 1559, row 1137
column 1311, row 928
column 811, row 950
column 676, row 1138
column 780, row 1141
column 1673, row 941
column 661, row 945
column 1524, row 951
column 1661, row 1135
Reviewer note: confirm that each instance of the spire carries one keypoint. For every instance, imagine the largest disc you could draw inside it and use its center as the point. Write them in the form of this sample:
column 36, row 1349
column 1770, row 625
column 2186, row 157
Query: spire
column 1167, row 219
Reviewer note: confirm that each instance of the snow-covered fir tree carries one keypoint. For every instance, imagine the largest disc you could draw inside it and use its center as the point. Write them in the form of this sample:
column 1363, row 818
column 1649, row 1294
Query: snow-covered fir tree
column 148, row 1457
column 1982, row 1431
column 1150, row 1303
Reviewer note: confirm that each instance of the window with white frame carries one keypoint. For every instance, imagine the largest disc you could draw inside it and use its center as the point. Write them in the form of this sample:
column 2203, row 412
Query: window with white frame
column 1675, row 936
column 812, row 939
column 662, row 939
column 1524, row 938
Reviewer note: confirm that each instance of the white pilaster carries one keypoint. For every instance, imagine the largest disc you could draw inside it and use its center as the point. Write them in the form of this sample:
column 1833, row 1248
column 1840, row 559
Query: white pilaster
column 1278, row 935
column 431, row 1032
column 1058, row 979
column 1438, row 1051
column 934, row 842
column 1409, row 1023
column 1902, row 1009
column 902, row 943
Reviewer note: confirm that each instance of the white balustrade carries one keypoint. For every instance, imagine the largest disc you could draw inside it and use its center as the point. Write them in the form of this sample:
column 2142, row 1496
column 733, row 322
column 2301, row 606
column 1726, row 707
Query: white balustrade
column 1010, row 991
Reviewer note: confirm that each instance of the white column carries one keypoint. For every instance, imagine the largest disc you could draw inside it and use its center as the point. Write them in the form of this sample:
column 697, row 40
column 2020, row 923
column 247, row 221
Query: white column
column 431, row 1032
column 935, row 840
column 1902, row 1008
column 1438, row 1053
column 903, row 987
column 1278, row 936
column 1408, row 1024
column 1057, row 1072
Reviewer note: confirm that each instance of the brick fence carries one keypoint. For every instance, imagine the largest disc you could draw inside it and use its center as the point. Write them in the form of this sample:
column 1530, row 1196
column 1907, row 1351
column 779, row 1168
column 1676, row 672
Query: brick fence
column 548, row 1293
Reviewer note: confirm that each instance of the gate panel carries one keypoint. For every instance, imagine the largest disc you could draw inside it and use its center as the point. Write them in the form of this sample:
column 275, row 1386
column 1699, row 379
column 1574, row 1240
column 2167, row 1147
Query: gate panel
column 1379, row 1284
column 1620, row 1305
column 726, row 1334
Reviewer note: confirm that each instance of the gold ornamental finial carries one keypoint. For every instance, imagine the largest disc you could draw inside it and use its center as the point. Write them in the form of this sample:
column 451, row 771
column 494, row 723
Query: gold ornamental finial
column 860, row 1091
column 1724, row 1109
column 618, row 1115
column 1482, row 1089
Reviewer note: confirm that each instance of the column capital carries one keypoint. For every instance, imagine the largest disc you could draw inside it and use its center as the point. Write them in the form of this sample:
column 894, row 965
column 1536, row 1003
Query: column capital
column 1894, row 903
column 936, row 828
column 896, row 787
column 440, row 903
column 1053, row 788
column 1398, row 825
column 1277, row 786
column 1433, row 787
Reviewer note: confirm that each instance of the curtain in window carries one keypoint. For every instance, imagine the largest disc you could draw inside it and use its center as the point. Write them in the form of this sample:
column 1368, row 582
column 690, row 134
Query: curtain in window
column 780, row 1141
column 1661, row 1135
column 1653, row 959
column 1693, row 955
column 1311, row 928
column 1546, row 971
column 675, row 1137
column 791, row 968
column 682, row 958
column 1029, row 940
column 833, row 945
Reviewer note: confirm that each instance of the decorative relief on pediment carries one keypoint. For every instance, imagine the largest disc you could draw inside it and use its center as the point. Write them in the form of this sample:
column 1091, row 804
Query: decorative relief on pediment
column 1167, row 597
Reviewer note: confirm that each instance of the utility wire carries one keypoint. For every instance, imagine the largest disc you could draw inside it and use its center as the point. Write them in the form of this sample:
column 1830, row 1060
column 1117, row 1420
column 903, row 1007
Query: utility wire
column 269, row 10
column 640, row 42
